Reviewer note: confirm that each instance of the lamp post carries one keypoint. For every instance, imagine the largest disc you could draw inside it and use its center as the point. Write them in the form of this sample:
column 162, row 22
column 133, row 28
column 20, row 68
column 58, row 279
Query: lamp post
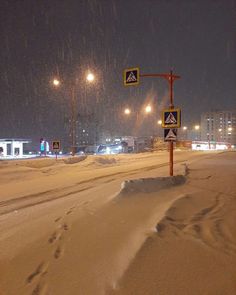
column 159, row 129
column 148, row 109
column 185, row 128
column 73, row 109
column 197, row 128
column 128, row 112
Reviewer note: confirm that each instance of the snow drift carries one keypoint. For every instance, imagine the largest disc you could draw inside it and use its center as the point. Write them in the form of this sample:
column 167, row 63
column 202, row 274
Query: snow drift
column 149, row 185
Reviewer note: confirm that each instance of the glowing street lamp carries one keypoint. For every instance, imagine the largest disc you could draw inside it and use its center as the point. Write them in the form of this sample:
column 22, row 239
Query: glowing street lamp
column 184, row 132
column 148, row 109
column 159, row 122
column 197, row 128
column 56, row 82
column 90, row 77
column 127, row 111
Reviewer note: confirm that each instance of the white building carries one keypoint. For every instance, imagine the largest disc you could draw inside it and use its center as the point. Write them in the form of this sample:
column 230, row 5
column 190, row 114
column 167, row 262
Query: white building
column 207, row 145
column 12, row 147
column 219, row 126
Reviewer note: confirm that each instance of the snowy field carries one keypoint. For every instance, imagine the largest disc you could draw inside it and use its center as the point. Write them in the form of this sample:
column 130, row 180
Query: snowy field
column 119, row 225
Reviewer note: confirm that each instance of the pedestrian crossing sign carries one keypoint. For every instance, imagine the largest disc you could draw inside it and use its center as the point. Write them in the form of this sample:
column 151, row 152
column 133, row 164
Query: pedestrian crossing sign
column 170, row 134
column 131, row 76
column 171, row 118
column 56, row 146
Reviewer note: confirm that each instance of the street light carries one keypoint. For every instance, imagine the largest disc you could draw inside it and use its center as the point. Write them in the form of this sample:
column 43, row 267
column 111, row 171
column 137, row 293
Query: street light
column 159, row 122
column 148, row 109
column 56, row 82
column 136, row 116
column 197, row 128
column 90, row 77
column 127, row 111
column 184, row 132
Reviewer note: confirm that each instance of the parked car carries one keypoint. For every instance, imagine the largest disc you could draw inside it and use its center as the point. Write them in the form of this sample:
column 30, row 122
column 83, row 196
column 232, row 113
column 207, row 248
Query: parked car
column 108, row 149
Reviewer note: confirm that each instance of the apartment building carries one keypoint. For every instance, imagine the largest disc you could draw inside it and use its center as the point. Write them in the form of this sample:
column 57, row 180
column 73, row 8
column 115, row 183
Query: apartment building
column 219, row 126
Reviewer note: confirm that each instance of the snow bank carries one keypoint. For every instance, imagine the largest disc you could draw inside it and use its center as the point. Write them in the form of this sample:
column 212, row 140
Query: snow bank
column 102, row 160
column 36, row 163
column 148, row 185
column 74, row 160
column 105, row 160
column 42, row 162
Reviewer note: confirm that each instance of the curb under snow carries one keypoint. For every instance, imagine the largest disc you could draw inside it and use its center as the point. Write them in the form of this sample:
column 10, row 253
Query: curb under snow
column 149, row 185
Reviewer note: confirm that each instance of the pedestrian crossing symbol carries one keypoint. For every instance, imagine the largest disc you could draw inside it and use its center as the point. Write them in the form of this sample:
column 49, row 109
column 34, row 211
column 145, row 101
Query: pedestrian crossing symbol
column 131, row 76
column 171, row 118
column 170, row 134
column 56, row 145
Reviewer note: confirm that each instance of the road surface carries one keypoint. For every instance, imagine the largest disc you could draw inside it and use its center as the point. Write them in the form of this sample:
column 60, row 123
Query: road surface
column 66, row 230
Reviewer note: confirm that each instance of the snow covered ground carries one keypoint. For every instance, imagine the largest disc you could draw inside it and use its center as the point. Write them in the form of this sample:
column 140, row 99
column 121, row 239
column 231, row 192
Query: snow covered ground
column 118, row 225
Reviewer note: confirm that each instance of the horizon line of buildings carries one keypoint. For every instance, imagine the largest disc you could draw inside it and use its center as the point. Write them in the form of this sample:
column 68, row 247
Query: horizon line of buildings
column 215, row 126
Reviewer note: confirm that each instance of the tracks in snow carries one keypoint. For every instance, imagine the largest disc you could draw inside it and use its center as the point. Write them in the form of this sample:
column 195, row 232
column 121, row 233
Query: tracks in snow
column 26, row 201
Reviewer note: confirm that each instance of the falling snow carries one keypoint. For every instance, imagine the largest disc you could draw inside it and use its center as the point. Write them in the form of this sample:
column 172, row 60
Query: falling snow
column 66, row 39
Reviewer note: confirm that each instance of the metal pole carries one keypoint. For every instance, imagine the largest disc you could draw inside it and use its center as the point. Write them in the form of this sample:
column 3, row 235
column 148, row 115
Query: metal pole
column 170, row 78
column 171, row 144
column 73, row 121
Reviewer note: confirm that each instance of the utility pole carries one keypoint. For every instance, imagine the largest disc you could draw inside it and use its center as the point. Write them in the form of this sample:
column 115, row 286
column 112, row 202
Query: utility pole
column 171, row 143
column 73, row 121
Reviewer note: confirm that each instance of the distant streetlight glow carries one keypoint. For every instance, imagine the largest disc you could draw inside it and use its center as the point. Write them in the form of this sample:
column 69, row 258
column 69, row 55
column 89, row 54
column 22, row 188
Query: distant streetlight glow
column 148, row 109
column 56, row 82
column 185, row 128
column 90, row 77
column 159, row 122
column 197, row 127
column 73, row 121
column 127, row 111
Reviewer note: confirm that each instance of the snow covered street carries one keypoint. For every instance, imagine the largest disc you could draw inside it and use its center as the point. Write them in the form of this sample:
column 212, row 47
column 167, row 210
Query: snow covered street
column 80, row 227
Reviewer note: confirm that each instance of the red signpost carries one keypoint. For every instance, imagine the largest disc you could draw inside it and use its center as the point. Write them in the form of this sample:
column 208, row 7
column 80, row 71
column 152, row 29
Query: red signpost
column 170, row 77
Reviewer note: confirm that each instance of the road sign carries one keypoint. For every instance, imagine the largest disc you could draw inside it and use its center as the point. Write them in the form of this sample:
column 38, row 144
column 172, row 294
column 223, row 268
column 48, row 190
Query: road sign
column 170, row 134
column 131, row 76
column 56, row 146
column 171, row 118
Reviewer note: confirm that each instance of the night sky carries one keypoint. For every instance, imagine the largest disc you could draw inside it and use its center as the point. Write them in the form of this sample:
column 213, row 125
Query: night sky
column 66, row 38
